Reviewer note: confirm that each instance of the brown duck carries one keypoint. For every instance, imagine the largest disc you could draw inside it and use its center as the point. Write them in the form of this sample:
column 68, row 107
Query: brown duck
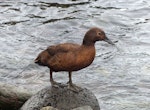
column 71, row 57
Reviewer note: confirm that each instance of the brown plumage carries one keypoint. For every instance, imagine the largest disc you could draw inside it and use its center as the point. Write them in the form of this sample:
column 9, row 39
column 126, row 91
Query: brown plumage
column 71, row 57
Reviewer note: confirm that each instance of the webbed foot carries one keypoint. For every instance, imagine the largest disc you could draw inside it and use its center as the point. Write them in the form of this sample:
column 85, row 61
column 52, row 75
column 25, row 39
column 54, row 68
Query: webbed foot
column 74, row 88
column 56, row 84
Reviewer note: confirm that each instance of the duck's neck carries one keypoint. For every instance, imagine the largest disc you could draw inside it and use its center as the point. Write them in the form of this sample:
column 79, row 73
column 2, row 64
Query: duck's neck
column 88, row 43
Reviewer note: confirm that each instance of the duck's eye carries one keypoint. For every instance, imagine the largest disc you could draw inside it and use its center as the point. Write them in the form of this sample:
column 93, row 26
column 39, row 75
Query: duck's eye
column 99, row 33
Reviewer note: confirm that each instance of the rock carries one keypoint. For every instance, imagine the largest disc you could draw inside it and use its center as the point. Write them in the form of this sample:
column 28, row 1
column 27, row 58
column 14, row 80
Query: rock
column 79, row 108
column 48, row 108
column 83, row 108
column 61, row 98
column 12, row 97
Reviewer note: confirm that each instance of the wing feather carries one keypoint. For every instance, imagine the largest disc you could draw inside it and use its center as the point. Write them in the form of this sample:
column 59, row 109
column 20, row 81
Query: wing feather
column 62, row 48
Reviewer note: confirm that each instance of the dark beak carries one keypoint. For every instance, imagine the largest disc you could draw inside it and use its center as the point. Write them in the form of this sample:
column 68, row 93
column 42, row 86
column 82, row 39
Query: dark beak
column 108, row 41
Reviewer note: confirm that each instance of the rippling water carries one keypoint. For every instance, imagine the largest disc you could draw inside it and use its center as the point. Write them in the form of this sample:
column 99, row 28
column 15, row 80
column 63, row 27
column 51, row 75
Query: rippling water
column 119, row 75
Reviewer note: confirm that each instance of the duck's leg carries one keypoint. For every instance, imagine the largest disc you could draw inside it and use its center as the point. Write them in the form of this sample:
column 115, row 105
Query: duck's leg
column 72, row 86
column 53, row 83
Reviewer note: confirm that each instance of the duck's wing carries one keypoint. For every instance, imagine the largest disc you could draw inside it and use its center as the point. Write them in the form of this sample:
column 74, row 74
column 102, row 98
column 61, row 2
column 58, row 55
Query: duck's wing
column 62, row 48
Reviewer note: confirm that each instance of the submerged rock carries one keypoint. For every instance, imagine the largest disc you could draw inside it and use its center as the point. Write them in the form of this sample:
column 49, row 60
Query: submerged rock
column 61, row 98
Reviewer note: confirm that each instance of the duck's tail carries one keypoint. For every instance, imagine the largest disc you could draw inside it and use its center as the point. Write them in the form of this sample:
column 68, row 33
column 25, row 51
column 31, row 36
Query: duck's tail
column 42, row 58
column 37, row 60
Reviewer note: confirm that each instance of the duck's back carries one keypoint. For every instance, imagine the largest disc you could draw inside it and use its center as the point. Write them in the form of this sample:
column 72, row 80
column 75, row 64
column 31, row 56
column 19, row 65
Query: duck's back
column 62, row 48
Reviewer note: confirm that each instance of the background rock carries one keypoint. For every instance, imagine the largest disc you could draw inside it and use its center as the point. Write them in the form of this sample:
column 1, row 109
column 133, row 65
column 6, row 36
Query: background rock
column 61, row 98
column 12, row 97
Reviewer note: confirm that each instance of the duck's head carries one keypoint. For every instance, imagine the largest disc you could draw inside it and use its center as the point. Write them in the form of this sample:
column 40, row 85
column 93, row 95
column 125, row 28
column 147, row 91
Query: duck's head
column 95, row 34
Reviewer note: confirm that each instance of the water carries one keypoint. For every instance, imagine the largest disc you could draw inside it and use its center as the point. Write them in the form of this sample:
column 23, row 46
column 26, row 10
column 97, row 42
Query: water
column 119, row 75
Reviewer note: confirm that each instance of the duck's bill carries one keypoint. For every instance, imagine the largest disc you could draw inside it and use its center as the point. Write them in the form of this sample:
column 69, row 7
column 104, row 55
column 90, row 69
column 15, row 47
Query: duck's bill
column 108, row 41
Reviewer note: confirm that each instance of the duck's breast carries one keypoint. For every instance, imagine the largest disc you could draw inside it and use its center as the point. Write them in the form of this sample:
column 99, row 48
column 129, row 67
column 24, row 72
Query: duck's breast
column 85, row 57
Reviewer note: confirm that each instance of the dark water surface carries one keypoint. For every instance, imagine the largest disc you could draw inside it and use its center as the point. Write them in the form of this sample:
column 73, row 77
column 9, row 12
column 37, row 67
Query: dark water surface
column 119, row 75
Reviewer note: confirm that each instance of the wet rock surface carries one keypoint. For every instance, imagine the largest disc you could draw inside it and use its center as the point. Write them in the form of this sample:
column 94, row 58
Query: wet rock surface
column 61, row 98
